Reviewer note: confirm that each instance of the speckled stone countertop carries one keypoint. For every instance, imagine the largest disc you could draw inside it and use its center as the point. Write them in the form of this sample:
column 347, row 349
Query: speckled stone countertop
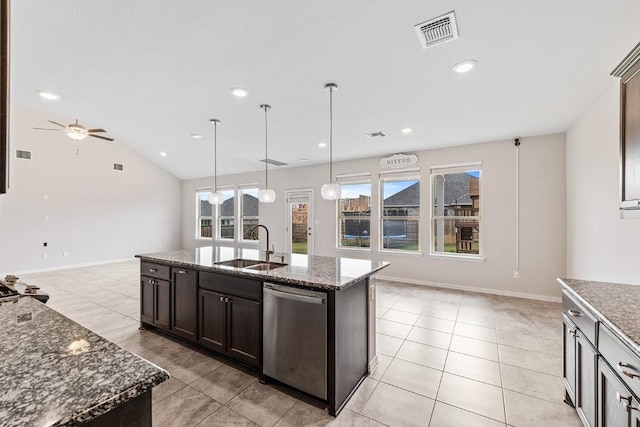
column 615, row 304
column 311, row 271
column 49, row 377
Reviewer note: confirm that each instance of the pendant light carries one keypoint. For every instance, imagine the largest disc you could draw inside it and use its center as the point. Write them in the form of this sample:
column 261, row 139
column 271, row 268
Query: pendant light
column 215, row 197
column 266, row 194
column 330, row 191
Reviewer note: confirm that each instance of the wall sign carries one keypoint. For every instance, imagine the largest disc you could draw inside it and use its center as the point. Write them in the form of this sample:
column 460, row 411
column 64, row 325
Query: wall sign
column 399, row 161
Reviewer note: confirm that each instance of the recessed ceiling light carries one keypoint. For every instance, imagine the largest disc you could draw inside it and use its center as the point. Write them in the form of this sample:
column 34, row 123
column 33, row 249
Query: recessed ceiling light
column 239, row 92
column 196, row 136
column 163, row 154
column 322, row 144
column 48, row 95
column 465, row 66
column 406, row 130
column 304, row 160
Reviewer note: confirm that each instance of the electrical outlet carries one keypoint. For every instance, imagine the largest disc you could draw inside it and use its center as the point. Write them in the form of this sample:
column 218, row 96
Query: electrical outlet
column 65, row 254
column 516, row 274
column 45, row 256
column 45, row 197
column 45, row 218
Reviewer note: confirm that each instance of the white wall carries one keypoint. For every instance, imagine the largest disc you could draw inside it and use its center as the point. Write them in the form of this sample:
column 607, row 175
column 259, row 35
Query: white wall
column 542, row 216
column 600, row 245
column 95, row 213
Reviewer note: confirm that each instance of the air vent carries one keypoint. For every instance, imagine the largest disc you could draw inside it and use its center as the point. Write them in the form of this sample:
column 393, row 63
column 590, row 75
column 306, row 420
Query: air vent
column 22, row 154
column 118, row 167
column 273, row 162
column 437, row 30
column 378, row 134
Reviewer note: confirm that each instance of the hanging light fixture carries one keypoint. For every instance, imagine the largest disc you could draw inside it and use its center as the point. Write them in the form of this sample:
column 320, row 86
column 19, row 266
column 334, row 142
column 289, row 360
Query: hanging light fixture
column 266, row 194
column 330, row 191
column 215, row 197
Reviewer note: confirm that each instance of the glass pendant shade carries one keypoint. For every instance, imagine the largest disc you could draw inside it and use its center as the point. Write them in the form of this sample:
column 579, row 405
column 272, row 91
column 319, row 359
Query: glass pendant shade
column 266, row 195
column 330, row 191
column 75, row 135
column 216, row 198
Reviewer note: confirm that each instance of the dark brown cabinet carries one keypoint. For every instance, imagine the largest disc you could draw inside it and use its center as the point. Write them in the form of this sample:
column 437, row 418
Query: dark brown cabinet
column 184, row 305
column 155, row 295
column 617, row 406
column 586, row 371
column 229, row 322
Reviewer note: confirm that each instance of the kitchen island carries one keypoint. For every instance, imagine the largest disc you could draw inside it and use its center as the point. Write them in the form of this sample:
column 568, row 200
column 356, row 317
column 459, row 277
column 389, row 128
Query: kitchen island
column 56, row 372
column 213, row 296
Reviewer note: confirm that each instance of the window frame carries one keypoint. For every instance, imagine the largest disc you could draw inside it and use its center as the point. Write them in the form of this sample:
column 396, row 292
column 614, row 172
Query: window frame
column 241, row 217
column 200, row 217
column 437, row 170
column 399, row 175
column 354, row 179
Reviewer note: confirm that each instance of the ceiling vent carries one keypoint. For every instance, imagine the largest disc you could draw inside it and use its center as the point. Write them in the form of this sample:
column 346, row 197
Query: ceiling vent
column 438, row 30
column 273, row 162
column 22, row 154
column 118, row 167
column 378, row 134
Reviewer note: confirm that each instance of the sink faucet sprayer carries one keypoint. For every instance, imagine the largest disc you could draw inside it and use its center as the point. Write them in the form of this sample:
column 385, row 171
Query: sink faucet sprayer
column 267, row 252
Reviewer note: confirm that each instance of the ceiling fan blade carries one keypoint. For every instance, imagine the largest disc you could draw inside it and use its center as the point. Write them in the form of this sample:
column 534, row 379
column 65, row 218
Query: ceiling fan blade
column 56, row 123
column 101, row 137
column 57, row 130
column 95, row 130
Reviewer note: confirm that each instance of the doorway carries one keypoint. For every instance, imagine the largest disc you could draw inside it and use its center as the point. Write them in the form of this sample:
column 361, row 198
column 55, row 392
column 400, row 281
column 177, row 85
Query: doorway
column 299, row 217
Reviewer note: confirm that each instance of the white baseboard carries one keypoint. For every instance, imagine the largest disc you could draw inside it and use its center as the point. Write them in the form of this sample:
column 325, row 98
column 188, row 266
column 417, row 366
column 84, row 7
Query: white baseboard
column 66, row 267
column 472, row 289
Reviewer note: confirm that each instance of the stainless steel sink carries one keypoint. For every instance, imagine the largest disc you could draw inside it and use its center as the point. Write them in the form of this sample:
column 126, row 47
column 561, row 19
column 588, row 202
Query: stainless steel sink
column 251, row 264
column 239, row 263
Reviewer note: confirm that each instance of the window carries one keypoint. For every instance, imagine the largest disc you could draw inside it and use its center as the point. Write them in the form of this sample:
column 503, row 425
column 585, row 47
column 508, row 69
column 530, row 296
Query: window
column 203, row 214
column 456, row 220
column 249, row 208
column 400, row 212
column 354, row 215
column 226, row 215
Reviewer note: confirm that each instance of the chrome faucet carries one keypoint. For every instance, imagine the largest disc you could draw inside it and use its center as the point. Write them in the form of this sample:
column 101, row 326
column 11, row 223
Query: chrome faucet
column 267, row 252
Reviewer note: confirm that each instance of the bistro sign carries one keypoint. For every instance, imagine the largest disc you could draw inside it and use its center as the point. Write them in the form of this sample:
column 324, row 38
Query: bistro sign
column 398, row 161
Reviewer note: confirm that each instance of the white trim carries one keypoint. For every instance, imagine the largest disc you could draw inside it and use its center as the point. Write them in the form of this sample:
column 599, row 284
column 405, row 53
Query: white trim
column 399, row 171
column 399, row 252
column 352, row 175
column 354, row 248
column 455, row 257
column 471, row 289
column 70, row 266
column 456, row 165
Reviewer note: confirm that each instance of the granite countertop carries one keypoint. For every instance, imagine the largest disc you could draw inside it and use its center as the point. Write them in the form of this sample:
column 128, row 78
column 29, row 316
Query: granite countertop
column 311, row 271
column 615, row 304
column 55, row 372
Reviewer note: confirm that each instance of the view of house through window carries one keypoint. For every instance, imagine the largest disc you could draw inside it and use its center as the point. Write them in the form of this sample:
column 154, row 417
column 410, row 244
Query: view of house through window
column 400, row 213
column 354, row 215
column 203, row 215
column 248, row 213
column 226, row 215
column 456, row 210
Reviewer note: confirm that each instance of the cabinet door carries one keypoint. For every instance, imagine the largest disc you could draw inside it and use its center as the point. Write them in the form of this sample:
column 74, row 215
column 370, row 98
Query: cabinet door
column 586, row 374
column 212, row 320
column 147, row 286
column 185, row 302
column 162, row 304
column 614, row 399
column 569, row 358
column 244, row 329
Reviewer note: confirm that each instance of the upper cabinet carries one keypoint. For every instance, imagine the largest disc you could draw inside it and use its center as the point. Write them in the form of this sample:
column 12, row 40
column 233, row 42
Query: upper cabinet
column 629, row 72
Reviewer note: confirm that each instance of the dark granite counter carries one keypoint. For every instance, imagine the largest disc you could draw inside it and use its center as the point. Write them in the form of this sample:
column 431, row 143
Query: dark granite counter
column 55, row 372
column 615, row 304
column 307, row 270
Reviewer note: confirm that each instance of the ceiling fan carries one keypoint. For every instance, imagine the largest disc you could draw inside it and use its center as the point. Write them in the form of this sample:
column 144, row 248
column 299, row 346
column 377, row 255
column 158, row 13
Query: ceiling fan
column 76, row 131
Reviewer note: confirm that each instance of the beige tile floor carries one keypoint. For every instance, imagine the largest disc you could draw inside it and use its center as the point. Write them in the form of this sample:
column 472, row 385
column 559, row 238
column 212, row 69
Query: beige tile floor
column 447, row 358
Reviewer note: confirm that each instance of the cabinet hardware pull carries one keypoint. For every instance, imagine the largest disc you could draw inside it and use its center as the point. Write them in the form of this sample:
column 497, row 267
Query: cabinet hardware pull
column 621, row 367
column 572, row 333
column 574, row 313
column 626, row 402
column 221, row 299
column 226, row 300
column 182, row 272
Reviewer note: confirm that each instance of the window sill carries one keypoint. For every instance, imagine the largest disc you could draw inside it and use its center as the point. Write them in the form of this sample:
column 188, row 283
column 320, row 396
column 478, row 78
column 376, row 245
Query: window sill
column 352, row 249
column 400, row 253
column 470, row 258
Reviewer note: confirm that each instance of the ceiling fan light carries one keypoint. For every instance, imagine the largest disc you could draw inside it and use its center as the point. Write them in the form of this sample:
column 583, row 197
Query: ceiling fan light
column 76, row 135
column 216, row 198
column 330, row 191
column 266, row 195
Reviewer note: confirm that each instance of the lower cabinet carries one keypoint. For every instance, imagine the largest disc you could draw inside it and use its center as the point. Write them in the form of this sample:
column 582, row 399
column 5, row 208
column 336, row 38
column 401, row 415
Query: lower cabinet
column 231, row 325
column 586, row 375
column 155, row 302
column 184, row 305
column 617, row 406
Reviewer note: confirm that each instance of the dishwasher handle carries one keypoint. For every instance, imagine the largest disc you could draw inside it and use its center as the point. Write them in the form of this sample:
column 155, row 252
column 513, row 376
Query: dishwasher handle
column 294, row 296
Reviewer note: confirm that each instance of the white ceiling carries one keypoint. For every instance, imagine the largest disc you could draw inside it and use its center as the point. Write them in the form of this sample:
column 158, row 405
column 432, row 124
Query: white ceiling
column 152, row 72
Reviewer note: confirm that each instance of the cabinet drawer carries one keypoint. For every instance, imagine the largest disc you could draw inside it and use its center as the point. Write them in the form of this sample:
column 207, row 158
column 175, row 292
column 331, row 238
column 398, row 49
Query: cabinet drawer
column 583, row 320
column 622, row 360
column 237, row 286
column 158, row 271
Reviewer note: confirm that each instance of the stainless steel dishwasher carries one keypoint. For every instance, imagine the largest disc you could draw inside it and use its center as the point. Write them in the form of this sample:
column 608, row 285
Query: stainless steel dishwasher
column 295, row 338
